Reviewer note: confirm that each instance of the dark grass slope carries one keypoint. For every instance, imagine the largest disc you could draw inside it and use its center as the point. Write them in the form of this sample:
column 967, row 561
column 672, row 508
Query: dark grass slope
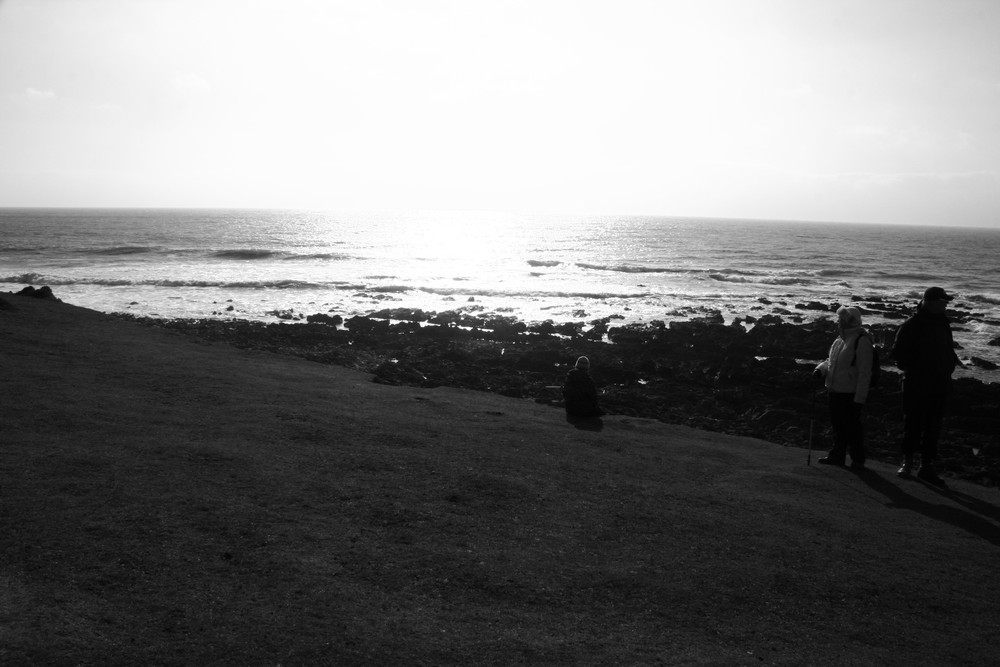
column 167, row 501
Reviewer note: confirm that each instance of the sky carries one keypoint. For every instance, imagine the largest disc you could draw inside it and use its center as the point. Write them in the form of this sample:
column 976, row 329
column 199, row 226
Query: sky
column 884, row 111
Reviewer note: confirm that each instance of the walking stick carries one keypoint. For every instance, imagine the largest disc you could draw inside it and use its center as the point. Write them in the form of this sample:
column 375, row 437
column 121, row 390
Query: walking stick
column 812, row 422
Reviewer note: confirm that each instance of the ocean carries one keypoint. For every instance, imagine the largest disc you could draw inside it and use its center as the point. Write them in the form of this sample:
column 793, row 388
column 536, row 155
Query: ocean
column 276, row 265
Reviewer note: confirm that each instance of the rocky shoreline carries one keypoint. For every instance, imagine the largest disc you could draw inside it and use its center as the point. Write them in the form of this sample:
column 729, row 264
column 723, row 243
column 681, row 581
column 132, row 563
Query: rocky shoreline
column 751, row 377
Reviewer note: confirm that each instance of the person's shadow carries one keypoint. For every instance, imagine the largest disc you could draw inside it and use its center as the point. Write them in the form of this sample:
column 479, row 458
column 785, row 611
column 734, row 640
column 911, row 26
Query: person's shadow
column 586, row 423
column 978, row 521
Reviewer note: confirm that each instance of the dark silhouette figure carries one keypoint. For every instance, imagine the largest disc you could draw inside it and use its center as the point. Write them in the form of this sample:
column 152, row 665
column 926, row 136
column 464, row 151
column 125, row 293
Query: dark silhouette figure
column 847, row 372
column 925, row 351
column 580, row 392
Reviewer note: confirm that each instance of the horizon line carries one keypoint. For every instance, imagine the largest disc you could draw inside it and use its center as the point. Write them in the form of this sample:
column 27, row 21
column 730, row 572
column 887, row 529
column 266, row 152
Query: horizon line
column 410, row 211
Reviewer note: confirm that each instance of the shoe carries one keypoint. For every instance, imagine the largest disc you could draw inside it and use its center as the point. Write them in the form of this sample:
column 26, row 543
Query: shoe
column 906, row 468
column 830, row 461
column 929, row 476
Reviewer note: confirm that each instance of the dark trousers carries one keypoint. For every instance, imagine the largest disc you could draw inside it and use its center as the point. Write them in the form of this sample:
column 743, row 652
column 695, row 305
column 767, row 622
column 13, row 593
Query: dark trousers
column 922, row 417
column 845, row 421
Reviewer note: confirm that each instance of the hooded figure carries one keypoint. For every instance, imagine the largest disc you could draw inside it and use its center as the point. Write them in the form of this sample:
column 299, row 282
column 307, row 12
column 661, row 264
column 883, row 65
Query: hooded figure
column 847, row 372
column 580, row 392
column 925, row 351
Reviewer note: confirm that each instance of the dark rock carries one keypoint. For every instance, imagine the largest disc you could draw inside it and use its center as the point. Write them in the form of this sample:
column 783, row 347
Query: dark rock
column 505, row 325
column 322, row 318
column 44, row 292
column 449, row 318
column 407, row 314
column 813, row 305
column 546, row 328
column 713, row 317
column 596, row 332
column 985, row 364
column 360, row 324
column 571, row 329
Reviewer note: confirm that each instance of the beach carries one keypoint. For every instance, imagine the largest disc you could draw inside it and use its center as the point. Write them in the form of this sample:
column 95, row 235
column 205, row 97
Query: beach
column 243, row 496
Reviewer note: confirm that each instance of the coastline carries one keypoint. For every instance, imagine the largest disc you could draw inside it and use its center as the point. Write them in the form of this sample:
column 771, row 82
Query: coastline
column 286, row 265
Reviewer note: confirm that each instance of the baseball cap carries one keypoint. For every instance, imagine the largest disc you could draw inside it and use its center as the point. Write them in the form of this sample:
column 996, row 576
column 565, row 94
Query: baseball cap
column 936, row 294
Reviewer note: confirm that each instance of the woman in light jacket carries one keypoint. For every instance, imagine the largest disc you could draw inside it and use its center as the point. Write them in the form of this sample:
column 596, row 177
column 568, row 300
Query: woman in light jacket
column 848, row 371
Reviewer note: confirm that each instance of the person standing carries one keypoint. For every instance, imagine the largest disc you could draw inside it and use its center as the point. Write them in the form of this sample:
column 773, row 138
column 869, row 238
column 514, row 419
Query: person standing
column 580, row 392
column 925, row 351
column 847, row 372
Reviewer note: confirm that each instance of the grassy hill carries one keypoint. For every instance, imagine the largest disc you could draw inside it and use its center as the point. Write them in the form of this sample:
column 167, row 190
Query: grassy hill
column 168, row 501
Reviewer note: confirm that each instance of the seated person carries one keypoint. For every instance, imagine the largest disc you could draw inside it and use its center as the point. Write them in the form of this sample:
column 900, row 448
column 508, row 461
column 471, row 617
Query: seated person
column 580, row 393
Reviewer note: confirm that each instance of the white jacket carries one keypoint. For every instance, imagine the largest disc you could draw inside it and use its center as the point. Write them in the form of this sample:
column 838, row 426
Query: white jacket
column 843, row 376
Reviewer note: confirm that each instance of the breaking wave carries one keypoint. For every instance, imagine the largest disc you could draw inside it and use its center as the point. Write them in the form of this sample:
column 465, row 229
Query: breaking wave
column 246, row 253
column 520, row 294
column 40, row 279
column 760, row 278
column 30, row 279
column 629, row 269
column 124, row 250
column 983, row 298
column 318, row 256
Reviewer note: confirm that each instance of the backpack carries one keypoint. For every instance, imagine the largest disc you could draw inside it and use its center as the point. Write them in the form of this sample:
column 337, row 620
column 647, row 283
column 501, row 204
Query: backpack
column 876, row 362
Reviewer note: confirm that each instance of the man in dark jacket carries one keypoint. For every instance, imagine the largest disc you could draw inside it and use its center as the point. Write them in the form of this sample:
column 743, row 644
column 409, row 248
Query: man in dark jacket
column 580, row 392
column 925, row 351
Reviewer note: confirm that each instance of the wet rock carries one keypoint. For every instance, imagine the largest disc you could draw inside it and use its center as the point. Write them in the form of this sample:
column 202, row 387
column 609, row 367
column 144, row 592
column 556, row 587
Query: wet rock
column 505, row 326
column 287, row 314
column 322, row 318
column 545, row 328
column 407, row 314
column 570, row 329
column 813, row 305
column 359, row 324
